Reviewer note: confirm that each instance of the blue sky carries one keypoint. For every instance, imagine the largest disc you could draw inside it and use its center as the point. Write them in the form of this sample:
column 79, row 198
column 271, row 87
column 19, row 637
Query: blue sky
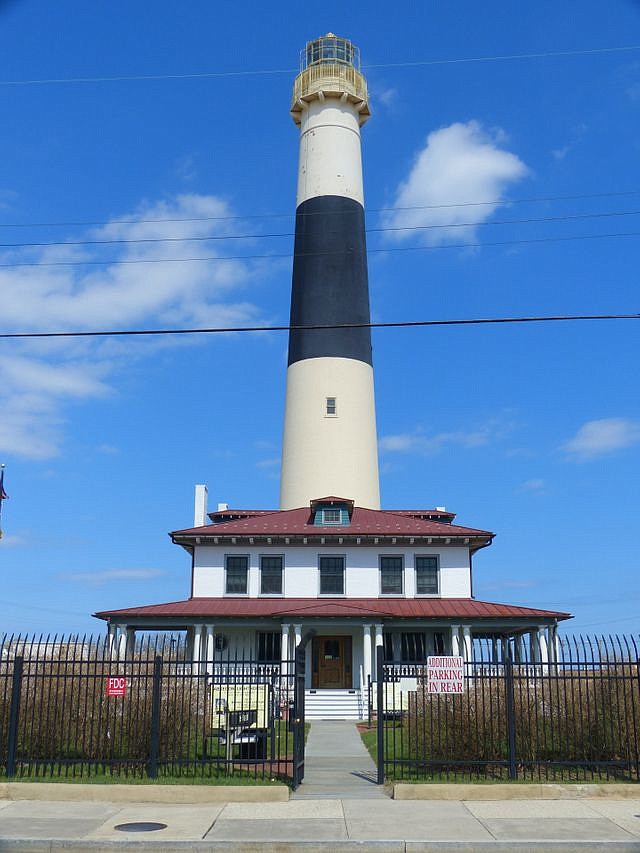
column 530, row 431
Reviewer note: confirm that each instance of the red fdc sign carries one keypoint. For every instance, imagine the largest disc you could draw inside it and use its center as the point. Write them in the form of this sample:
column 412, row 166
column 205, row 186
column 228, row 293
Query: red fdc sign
column 445, row 674
column 116, row 685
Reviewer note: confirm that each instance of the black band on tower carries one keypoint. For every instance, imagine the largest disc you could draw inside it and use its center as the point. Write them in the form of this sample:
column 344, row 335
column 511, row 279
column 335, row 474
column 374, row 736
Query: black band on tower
column 330, row 284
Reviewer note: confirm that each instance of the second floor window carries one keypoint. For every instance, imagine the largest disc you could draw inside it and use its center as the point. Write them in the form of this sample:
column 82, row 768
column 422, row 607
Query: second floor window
column 426, row 575
column 331, row 575
column 237, row 571
column 391, row 575
column 271, row 575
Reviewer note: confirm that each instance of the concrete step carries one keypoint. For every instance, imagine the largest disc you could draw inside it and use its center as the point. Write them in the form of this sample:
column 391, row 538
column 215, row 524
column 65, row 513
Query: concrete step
column 333, row 705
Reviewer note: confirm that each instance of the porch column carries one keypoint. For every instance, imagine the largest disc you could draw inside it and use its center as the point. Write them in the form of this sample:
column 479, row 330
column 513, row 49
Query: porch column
column 122, row 641
column 366, row 657
column 113, row 639
column 198, row 646
column 210, row 647
column 297, row 633
column 284, row 652
column 494, row 649
column 455, row 640
column 467, row 648
column 130, row 642
column 533, row 647
column 543, row 646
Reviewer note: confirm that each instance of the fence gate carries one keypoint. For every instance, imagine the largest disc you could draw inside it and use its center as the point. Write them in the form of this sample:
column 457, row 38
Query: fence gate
column 298, row 714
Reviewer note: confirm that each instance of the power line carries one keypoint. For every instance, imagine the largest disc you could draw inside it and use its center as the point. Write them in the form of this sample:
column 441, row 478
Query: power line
column 477, row 321
column 205, row 238
column 534, row 199
column 204, row 75
column 280, row 255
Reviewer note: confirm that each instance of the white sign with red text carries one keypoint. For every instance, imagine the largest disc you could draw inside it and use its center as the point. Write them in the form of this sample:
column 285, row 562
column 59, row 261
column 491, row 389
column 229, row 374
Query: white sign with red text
column 116, row 685
column 445, row 674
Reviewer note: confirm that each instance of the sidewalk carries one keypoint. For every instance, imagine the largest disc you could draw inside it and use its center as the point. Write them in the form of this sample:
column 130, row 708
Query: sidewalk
column 327, row 825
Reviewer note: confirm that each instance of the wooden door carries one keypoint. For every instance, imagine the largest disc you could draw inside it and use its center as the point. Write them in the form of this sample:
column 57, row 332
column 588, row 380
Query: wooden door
column 332, row 662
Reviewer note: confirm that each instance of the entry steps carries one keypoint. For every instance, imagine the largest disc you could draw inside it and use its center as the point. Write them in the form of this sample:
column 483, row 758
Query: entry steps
column 333, row 705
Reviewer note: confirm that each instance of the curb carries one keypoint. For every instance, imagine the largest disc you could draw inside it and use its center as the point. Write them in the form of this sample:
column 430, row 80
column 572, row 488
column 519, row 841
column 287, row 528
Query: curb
column 354, row 846
column 533, row 791
column 180, row 794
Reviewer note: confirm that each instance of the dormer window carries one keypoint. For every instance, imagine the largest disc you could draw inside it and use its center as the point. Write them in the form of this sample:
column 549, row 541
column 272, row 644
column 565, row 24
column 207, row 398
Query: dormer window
column 331, row 516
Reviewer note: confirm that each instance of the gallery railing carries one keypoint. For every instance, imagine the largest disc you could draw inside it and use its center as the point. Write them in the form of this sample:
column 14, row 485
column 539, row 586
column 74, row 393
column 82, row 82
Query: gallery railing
column 70, row 708
column 574, row 719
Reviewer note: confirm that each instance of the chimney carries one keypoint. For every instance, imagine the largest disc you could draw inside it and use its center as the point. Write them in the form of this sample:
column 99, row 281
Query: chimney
column 200, row 506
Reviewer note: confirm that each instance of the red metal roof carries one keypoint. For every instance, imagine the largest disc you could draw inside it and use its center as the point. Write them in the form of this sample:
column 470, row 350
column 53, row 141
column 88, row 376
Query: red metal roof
column 364, row 522
column 402, row 608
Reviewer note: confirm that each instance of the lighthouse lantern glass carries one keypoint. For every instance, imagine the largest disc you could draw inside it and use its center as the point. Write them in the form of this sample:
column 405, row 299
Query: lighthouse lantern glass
column 329, row 50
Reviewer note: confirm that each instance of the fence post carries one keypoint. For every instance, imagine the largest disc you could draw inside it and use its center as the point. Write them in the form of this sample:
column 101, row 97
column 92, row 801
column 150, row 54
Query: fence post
column 152, row 766
column 380, row 711
column 511, row 716
column 14, row 713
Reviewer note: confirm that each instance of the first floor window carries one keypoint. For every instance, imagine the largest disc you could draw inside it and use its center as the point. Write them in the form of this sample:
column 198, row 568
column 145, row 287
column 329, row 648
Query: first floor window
column 271, row 575
column 237, row 571
column 426, row 575
column 331, row 575
column 391, row 575
column 387, row 645
column 269, row 646
column 438, row 643
column 413, row 647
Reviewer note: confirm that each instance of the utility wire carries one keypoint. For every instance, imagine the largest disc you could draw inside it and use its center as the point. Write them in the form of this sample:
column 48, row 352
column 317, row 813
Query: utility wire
column 281, row 255
column 503, row 201
column 477, row 321
column 204, row 238
column 274, row 71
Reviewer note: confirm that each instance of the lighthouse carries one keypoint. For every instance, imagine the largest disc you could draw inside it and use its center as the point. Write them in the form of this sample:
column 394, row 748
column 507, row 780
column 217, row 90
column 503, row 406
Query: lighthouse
column 330, row 445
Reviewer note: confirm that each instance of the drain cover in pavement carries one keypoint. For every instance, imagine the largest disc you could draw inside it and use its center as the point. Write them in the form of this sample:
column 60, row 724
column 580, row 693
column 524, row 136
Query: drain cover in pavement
column 140, row 826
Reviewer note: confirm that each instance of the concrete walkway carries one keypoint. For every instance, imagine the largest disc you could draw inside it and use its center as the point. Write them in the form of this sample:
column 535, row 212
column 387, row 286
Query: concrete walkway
column 337, row 765
column 327, row 826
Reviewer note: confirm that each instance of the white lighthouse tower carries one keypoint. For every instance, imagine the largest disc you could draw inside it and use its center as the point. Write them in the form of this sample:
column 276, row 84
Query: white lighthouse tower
column 330, row 445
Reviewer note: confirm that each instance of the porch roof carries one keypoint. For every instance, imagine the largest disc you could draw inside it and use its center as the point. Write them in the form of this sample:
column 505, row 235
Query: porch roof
column 399, row 608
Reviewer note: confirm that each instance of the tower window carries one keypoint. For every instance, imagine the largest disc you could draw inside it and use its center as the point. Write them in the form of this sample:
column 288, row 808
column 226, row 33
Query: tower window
column 332, row 406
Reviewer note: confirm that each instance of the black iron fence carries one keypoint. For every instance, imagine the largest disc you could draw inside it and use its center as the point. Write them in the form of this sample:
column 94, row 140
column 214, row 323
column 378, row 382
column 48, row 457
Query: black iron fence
column 72, row 708
column 575, row 717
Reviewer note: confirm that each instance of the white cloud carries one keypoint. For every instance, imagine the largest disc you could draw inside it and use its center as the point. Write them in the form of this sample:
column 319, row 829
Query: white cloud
column 111, row 575
column 12, row 541
column 272, row 462
column 600, row 437
column 459, row 164
column 387, row 97
column 536, row 486
column 417, row 441
column 39, row 378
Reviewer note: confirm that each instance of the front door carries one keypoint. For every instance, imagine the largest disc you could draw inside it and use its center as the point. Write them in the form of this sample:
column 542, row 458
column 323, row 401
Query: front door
column 331, row 662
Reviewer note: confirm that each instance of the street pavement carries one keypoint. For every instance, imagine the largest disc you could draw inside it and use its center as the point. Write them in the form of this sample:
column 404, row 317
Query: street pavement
column 328, row 825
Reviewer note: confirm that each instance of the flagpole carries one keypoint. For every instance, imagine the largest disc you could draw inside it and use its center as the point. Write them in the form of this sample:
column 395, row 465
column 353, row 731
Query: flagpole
column 3, row 494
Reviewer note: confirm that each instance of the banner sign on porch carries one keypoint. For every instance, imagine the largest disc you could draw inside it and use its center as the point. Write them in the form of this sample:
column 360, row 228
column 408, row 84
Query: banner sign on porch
column 445, row 674
column 116, row 685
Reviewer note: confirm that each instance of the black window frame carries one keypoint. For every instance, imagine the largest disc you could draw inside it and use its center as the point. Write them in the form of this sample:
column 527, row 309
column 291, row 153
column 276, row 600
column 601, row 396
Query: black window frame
column 326, row 557
column 268, row 646
column 227, row 560
column 413, row 647
column 382, row 559
column 417, row 559
column 263, row 558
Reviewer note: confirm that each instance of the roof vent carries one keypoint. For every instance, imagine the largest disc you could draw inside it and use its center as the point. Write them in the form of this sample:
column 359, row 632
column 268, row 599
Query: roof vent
column 441, row 508
column 223, row 507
